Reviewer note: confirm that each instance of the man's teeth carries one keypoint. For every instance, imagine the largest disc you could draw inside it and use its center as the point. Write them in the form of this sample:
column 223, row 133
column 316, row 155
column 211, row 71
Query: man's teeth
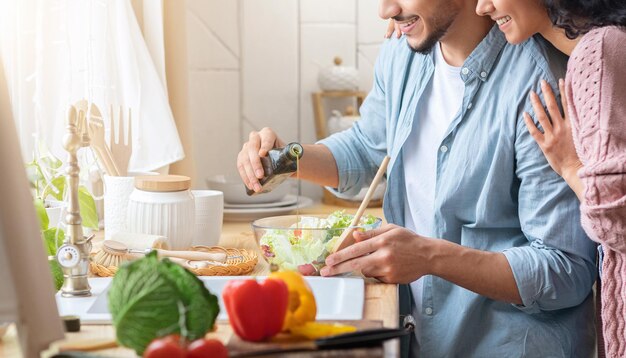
column 503, row 20
column 408, row 23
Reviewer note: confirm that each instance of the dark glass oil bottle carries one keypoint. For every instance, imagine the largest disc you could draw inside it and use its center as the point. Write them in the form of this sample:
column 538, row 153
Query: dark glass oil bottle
column 278, row 165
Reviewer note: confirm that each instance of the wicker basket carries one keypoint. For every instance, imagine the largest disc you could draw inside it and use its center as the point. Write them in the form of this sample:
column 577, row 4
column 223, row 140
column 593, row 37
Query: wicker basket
column 239, row 262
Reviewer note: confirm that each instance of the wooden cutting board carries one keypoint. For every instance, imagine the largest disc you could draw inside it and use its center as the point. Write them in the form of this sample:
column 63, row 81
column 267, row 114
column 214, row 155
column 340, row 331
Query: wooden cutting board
column 236, row 345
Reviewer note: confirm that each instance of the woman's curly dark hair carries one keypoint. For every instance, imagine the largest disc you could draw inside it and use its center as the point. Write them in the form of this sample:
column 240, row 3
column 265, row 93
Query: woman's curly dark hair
column 577, row 17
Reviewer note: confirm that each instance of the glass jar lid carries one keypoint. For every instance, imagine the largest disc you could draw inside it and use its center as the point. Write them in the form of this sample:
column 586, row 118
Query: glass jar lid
column 162, row 183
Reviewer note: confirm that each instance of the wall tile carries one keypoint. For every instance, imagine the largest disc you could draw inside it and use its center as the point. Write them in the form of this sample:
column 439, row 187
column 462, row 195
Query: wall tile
column 246, row 128
column 214, row 112
column 221, row 17
column 319, row 45
column 328, row 11
column 269, row 64
column 371, row 28
column 205, row 50
column 253, row 64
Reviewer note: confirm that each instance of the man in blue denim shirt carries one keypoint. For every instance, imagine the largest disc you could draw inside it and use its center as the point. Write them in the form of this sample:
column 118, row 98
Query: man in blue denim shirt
column 504, row 269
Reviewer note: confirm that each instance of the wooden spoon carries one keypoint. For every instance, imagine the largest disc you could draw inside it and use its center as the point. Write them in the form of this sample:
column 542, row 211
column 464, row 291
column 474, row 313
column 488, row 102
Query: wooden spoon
column 96, row 134
column 346, row 239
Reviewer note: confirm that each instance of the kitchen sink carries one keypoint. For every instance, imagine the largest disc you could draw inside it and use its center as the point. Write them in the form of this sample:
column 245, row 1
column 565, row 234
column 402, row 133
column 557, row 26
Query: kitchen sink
column 337, row 298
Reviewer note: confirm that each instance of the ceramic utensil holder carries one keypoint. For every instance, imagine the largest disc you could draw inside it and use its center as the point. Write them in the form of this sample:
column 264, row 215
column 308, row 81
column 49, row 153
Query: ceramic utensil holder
column 117, row 192
column 163, row 205
column 209, row 217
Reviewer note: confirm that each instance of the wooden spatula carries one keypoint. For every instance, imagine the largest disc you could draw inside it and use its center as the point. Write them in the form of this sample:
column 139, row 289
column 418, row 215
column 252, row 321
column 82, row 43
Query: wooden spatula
column 96, row 134
column 346, row 238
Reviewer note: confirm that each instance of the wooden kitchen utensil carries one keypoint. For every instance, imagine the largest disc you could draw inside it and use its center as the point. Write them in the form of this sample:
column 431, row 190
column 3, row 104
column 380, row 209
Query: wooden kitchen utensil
column 96, row 134
column 117, row 248
column 122, row 148
column 346, row 239
column 238, row 262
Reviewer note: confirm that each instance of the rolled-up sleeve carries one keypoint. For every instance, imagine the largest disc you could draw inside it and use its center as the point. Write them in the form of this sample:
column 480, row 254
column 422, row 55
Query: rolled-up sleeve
column 557, row 269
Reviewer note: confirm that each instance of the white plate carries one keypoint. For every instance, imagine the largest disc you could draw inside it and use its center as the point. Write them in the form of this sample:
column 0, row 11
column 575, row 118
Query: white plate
column 256, row 213
column 337, row 298
column 287, row 200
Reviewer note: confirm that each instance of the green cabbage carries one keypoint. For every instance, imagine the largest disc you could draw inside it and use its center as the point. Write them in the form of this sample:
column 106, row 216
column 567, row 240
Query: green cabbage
column 151, row 298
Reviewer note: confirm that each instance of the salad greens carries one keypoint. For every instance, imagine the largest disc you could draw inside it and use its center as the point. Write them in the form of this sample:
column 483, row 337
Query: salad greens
column 299, row 245
column 151, row 298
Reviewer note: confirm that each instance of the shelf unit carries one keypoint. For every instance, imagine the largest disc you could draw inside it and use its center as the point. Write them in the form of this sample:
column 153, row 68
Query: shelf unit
column 321, row 131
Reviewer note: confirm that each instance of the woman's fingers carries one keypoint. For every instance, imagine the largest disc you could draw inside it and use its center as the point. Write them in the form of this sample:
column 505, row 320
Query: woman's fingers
column 391, row 28
column 532, row 128
column 540, row 113
column 553, row 108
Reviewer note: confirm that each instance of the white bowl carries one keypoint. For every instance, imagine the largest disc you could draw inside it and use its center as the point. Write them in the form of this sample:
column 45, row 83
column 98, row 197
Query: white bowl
column 235, row 190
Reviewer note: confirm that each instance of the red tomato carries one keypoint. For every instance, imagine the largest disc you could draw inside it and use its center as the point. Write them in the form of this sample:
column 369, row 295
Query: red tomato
column 297, row 233
column 166, row 347
column 205, row 348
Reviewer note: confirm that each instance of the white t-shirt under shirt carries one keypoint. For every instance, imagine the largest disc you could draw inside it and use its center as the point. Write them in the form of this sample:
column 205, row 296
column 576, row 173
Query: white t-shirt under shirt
column 438, row 106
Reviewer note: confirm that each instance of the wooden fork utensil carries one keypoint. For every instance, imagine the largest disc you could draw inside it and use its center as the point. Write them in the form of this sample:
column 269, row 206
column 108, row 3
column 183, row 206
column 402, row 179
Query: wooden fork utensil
column 121, row 146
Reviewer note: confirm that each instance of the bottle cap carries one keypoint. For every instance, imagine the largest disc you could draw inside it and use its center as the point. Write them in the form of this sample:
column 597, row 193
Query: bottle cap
column 163, row 183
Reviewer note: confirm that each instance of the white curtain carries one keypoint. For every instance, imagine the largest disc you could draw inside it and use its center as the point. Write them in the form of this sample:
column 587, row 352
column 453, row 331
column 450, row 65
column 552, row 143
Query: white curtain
column 57, row 52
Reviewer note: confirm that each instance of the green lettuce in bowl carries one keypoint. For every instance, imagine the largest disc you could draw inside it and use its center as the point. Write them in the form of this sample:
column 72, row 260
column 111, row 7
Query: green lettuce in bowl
column 302, row 242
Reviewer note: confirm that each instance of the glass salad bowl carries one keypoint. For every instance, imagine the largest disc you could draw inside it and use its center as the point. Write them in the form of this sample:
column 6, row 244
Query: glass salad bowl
column 302, row 242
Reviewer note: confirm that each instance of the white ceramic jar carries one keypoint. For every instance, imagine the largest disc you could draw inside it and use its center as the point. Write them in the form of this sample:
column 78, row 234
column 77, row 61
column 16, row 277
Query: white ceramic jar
column 338, row 77
column 163, row 205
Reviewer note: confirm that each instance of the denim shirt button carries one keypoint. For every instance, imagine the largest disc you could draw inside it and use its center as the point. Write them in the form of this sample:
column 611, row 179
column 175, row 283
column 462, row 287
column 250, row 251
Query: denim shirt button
column 483, row 74
column 469, row 106
column 428, row 311
column 443, row 148
column 465, row 70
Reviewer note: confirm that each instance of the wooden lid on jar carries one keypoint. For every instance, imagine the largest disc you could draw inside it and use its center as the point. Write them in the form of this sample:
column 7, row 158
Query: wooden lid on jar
column 162, row 183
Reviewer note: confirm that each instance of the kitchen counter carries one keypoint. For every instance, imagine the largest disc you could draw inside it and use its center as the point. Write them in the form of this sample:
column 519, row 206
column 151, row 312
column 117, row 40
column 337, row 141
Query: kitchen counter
column 381, row 300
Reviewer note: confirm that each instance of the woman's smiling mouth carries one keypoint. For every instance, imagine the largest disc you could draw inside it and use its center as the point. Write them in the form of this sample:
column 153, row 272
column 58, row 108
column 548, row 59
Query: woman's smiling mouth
column 503, row 20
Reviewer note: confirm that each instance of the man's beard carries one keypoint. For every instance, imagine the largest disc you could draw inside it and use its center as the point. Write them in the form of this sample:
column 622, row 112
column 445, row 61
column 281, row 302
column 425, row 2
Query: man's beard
column 441, row 26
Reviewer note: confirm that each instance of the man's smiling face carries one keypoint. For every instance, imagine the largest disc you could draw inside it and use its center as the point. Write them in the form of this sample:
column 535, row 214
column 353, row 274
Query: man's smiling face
column 423, row 22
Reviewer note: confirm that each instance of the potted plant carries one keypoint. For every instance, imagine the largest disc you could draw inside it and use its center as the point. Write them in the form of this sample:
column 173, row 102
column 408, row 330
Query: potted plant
column 48, row 183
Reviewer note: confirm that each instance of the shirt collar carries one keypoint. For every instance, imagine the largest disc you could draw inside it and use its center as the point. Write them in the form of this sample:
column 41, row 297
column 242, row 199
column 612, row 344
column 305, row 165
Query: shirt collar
column 481, row 60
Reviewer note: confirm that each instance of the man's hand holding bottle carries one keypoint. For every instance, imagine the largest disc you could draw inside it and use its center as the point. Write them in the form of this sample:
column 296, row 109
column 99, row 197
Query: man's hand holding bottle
column 249, row 159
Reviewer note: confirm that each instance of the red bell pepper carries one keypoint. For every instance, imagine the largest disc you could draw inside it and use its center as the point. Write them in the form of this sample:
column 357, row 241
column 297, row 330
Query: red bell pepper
column 256, row 311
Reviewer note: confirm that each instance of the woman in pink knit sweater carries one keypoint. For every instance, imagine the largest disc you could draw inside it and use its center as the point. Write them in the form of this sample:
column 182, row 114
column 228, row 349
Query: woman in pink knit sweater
column 587, row 147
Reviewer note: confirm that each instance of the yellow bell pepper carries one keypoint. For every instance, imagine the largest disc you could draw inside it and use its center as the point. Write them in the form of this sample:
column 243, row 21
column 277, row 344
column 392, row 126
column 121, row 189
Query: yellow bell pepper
column 301, row 308
column 315, row 330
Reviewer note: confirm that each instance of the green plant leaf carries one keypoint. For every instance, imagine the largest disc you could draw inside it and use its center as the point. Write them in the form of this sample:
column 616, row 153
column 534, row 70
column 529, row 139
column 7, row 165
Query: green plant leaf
column 53, row 238
column 87, row 208
column 46, row 157
column 51, row 162
column 57, row 274
column 42, row 214
column 55, row 188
